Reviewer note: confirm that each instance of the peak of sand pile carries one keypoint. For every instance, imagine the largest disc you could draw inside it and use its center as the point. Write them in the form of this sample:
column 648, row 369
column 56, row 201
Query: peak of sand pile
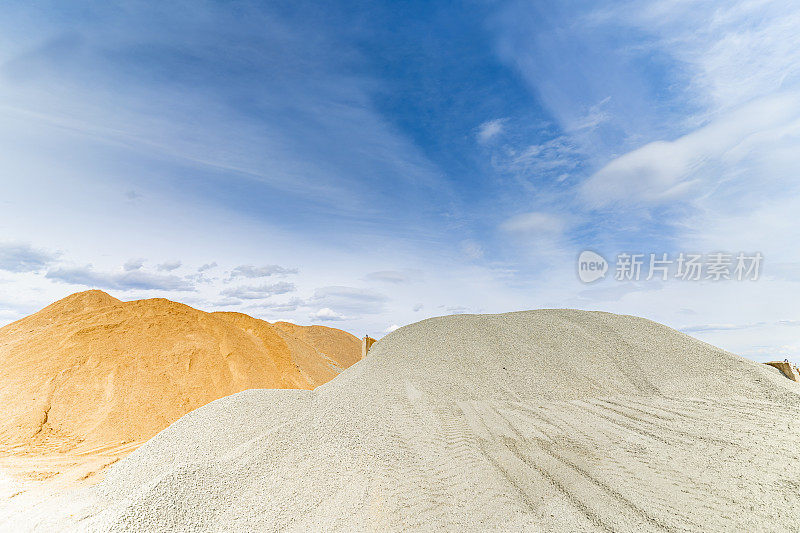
column 90, row 370
column 552, row 420
column 80, row 302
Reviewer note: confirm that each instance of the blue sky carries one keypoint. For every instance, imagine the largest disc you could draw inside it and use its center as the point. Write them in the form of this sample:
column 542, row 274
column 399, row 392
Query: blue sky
column 370, row 164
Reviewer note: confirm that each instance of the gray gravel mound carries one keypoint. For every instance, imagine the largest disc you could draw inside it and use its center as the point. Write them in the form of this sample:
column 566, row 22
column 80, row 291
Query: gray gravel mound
column 550, row 420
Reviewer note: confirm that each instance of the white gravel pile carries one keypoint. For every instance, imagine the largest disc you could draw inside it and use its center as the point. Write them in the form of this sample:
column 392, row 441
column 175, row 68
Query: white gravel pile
column 551, row 420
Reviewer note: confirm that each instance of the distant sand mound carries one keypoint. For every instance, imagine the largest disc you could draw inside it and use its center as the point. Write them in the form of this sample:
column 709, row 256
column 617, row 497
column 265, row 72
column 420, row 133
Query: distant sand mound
column 552, row 420
column 90, row 371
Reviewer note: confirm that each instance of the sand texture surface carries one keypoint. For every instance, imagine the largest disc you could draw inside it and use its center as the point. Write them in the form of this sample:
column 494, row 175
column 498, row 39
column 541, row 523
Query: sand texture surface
column 89, row 378
column 551, row 420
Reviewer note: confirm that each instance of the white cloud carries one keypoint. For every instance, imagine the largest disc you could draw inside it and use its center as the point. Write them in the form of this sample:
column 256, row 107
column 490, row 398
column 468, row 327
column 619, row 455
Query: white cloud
column 535, row 224
column 326, row 314
column 257, row 292
column 557, row 158
column 251, row 271
column 280, row 307
column 394, row 276
column 133, row 264
column 391, row 328
column 226, row 302
column 169, row 266
column 350, row 299
column 595, row 116
column 490, row 129
column 736, row 54
column 22, row 257
column 456, row 309
column 667, row 171
column 8, row 315
column 719, row 327
column 124, row 281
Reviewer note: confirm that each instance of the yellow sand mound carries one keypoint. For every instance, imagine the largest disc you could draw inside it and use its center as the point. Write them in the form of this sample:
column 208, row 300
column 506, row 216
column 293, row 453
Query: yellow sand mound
column 90, row 371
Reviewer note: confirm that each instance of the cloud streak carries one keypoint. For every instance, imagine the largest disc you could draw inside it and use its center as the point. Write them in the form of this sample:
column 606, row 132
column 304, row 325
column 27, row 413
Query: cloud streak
column 667, row 171
column 349, row 299
column 169, row 266
column 259, row 292
column 124, row 281
column 490, row 129
column 251, row 271
column 326, row 314
column 22, row 257
column 394, row 276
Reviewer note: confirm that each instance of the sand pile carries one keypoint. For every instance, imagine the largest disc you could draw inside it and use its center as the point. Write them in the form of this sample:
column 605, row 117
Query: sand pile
column 787, row 368
column 91, row 372
column 550, row 420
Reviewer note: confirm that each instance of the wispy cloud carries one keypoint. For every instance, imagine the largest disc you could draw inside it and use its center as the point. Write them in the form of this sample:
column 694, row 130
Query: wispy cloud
column 544, row 236
column 251, row 271
column 490, row 129
column 299, row 141
column 394, row 276
column 535, row 223
column 734, row 55
column 133, row 264
column 22, row 257
column 124, row 281
column 719, row 327
column 349, row 299
column 226, row 302
column 326, row 314
column 259, row 292
column 667, row 171
column 737, row 327
column 556, row 159
column 456, row 309
column 169, row 266
column 293, row 304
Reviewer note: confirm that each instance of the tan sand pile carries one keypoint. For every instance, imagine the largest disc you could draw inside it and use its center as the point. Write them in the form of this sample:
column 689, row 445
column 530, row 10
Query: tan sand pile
column 551, row 420
column 787, row 368
column 91, row 373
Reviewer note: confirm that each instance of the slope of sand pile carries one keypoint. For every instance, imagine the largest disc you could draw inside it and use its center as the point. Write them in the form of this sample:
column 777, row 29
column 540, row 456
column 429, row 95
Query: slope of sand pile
column 551, row 420
column 91, row 373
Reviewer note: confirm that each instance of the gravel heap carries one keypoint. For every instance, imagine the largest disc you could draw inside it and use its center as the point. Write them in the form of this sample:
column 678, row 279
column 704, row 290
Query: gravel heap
column 549, row 420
